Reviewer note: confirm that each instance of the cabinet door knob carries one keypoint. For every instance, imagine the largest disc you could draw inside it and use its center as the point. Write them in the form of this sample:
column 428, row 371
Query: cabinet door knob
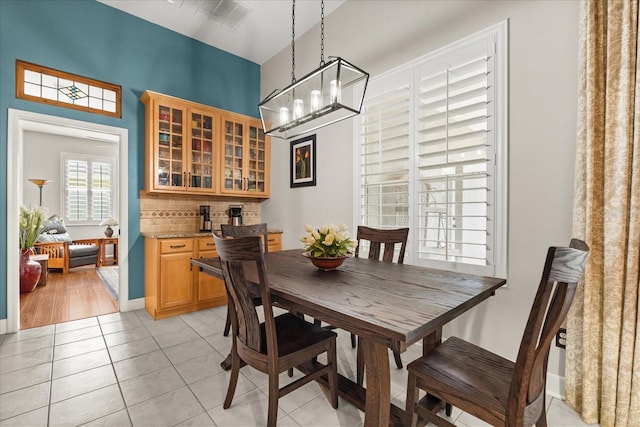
column 177, row 246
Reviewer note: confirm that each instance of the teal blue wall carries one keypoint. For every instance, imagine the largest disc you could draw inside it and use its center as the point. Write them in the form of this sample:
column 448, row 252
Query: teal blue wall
column 93, row 40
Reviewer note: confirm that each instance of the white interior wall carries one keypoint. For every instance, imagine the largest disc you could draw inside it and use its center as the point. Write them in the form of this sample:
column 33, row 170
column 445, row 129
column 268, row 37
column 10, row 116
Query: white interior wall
column 43, row 157
column 380, row 35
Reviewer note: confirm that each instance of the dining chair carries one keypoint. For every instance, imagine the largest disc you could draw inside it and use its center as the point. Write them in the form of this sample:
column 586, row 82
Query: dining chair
column 247, row 230
column 382, row 247
column 488, row 386
column 279, row 343
column 243, row 231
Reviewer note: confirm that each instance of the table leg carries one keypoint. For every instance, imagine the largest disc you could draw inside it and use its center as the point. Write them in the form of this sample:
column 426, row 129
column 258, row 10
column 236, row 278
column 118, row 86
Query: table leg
column 431, row 341
column 378, row 402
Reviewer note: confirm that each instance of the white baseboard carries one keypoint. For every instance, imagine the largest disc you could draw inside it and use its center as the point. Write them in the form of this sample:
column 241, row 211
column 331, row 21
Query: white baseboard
column 3, row 326
column 135, row 304
column 555, row 386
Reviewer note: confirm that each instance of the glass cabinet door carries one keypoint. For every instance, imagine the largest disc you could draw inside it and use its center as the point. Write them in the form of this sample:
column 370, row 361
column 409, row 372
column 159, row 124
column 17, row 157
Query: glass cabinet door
column 170, row 154
column 256, row 166
column 201, row 152
column 233, row 156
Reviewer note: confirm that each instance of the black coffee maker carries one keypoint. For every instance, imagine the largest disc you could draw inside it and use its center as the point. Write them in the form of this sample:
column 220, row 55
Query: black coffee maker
column 205, row 218
column 235, row 215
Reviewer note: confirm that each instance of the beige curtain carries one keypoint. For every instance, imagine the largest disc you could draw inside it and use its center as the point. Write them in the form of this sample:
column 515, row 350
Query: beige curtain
column 603, row 340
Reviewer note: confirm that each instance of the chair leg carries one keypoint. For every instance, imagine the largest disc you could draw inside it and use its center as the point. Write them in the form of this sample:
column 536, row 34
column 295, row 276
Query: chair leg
column 353, row 341
column 274, row 389
column 359, row 364
column 398, row 360
column 233, row 379
column 227, row 325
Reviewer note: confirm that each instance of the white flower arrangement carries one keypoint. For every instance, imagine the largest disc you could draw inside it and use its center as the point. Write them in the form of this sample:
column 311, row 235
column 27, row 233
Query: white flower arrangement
column 328, row 241
column 111, row 222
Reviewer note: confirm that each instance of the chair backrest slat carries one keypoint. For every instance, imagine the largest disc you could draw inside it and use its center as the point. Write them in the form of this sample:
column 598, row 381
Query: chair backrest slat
column 247, row 230
column 564, row 267
column 388, row 238
column 236, row 254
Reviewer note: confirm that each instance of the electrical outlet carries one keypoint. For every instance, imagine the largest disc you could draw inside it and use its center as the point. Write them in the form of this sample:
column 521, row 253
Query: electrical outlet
column 561, row 338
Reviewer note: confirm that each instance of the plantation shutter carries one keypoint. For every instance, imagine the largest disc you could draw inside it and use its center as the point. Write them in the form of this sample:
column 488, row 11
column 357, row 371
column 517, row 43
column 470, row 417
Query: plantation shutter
column 88, row 189
column 455, row 143
column 100, row 190
column 385, row 141
column 432, row 152
column 76, row 190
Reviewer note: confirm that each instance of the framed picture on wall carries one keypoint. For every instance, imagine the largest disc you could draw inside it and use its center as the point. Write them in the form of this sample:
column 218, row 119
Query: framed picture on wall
column 303, row 161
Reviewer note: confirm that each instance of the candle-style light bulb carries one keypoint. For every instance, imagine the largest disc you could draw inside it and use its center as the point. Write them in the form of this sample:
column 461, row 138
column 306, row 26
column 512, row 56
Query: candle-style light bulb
column 298, row 109
column 336, row 91
column 284, row 116
column 316, row 100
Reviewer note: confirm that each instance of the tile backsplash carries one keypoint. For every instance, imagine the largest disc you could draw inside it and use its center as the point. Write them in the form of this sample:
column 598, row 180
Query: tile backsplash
column 172, row 213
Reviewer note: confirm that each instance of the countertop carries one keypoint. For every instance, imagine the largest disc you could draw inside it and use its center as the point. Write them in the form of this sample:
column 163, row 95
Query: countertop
column 186, row 235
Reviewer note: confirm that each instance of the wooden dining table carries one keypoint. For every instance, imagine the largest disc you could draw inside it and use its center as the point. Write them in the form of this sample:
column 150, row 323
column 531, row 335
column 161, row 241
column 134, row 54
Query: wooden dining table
column 388, row 305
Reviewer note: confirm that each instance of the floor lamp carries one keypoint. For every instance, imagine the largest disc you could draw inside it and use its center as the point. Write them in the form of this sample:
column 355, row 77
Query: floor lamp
column 40, row 183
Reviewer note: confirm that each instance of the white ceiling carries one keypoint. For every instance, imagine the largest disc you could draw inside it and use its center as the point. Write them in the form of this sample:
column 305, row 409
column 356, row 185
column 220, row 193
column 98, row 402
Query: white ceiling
column 264, row 28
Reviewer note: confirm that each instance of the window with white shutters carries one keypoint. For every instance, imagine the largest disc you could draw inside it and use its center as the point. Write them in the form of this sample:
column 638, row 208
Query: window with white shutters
column 385, row 159
column 76, row 191
column 88, row 192
column 432, row 147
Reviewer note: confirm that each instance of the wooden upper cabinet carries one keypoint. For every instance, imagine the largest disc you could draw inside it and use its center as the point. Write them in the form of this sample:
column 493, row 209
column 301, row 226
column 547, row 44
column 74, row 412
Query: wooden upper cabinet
column 167, row 146
column 203, row 150
column 245, row 157
column 195, row 149
column 182, row 146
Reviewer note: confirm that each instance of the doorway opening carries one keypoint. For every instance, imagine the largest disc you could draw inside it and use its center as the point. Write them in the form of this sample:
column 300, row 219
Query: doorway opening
column 20, row 125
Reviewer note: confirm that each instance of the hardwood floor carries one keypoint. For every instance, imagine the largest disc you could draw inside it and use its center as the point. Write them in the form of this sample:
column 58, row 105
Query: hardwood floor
column 72, row 296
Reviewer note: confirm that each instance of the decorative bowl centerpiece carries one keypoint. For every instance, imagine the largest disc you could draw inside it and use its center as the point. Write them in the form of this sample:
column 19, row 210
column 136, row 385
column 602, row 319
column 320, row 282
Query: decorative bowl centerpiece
column 328, row 246
column 326, row 263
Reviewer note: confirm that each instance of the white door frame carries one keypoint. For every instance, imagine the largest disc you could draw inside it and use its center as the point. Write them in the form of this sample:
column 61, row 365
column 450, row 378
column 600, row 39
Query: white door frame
column 20, row 121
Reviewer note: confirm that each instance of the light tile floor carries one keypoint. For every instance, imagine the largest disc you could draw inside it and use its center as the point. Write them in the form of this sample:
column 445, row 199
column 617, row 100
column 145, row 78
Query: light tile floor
column 126, row 369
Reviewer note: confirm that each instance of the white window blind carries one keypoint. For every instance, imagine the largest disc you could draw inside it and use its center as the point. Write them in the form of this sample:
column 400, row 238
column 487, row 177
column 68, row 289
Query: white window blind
column 88, row 189
column 435, row 131
column 385, row 158
column 76, row 190
column 100, row 190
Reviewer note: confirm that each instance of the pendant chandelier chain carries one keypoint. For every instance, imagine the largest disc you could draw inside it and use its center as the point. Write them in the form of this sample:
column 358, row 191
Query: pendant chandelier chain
column 322, row 33
column 293, row 42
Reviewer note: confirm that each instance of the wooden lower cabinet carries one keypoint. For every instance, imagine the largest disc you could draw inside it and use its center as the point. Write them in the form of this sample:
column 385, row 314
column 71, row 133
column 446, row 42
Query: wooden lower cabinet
column 176, row 281
column 172, row 285
column 209, row 288
column 274, row 240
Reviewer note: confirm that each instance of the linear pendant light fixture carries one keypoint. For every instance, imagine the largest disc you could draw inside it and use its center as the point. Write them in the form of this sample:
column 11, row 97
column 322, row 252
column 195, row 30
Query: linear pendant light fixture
column 320, row 98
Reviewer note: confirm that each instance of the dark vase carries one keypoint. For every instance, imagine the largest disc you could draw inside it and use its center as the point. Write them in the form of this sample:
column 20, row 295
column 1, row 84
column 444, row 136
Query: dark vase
column 29, row 271
column 109, row 231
